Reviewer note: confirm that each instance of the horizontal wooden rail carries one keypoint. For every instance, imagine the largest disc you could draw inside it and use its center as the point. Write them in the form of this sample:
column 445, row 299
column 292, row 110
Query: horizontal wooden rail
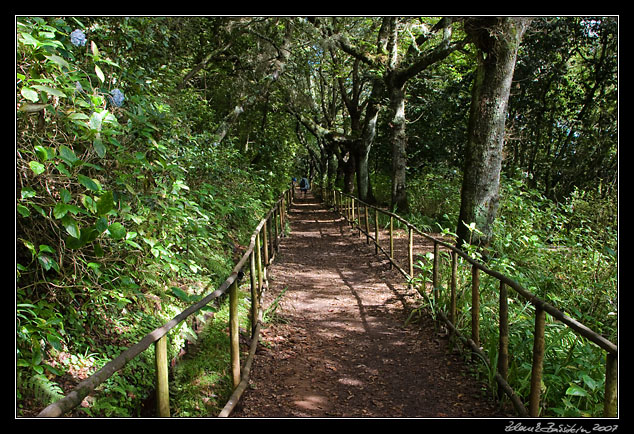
column 345, row 204
column 275, row 216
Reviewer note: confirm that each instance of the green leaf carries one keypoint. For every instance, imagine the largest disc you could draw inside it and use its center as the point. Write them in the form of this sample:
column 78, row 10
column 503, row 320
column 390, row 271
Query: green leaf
column 87, row 235
column 44, row 152
column 180, row 293
column 94, row 49
column 27, row 192
column 32, row 108
column 54, row 341
column 46, row 262
column 46, row 248
column 101, row 225
column 27, row 39
column 77, row 116
column 49, row 90
column 117, row 231
column 590, row 382
column 30, row 94
column 96, row 120
column 89, row 203
column 62, row 170
column 68, row 155
column 23, row 210
column 37, row 167
column 59, row 61
column 133, row 244
column 105, row 203
column 65, row 195
column 89, row 183
column 61, row 209
column 99, row 73
column 99, row 147
column 29, row 245
column 183, row 295
column 575, row 390
column 74, row 243
column 71, row 226
column 95, row 268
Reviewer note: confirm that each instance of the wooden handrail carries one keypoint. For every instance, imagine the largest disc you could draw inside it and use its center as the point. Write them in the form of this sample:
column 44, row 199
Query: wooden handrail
column 85, row 387
column 346, row 201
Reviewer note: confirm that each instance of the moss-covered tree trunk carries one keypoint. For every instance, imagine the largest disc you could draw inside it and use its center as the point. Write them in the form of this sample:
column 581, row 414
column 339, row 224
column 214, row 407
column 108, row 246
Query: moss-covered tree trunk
column 399, row 149
column 498, row 40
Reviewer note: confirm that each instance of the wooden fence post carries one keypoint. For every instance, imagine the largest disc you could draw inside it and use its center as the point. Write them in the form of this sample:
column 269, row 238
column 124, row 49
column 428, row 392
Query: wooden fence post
column 254, row 294
column 352, row 207
column 359, row 217
column 274, row 227
column 611, row 384
column 162, row 386
column 376, row 231
column 258, row 262
column 391, row 241
column 503, row 355
column 282, row 216
column 265, row 242
column 454, row 279
column 234, row 333
column 434, row 277
column 367, row 226
column 475, row 305
column 343, row 201
column 538, row 362
column 410, row 253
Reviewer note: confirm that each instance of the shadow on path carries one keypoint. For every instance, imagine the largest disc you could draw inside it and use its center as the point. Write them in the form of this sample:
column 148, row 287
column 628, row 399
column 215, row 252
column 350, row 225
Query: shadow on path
column 339, row 347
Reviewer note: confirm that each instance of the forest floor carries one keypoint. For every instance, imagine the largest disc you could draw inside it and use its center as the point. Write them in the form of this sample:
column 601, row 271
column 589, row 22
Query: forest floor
column 338, row 345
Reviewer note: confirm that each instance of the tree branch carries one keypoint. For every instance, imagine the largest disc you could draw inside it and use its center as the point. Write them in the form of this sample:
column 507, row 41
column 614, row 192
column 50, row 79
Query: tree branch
column 204, row 63
column 427, row 59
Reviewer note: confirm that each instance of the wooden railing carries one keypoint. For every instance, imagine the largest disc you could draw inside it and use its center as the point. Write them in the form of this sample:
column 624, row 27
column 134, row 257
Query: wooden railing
column 260, row 253
column 351, row 209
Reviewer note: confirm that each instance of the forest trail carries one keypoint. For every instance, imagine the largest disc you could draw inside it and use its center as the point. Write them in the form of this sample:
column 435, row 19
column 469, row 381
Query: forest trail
column 339, row 347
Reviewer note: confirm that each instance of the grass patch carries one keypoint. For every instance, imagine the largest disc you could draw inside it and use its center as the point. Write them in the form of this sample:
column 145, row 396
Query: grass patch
column 200, row 383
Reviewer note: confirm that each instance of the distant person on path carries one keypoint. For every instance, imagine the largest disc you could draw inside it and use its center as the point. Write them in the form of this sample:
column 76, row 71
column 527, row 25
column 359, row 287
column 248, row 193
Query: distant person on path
column 304, row 186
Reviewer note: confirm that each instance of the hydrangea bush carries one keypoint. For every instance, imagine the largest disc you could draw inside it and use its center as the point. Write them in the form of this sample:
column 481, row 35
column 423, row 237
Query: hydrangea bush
column 117, row 97
column 78, row 38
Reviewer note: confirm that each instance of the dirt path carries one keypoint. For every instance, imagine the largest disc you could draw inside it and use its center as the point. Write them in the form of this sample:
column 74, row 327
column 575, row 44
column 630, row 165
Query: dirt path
column 339, row 347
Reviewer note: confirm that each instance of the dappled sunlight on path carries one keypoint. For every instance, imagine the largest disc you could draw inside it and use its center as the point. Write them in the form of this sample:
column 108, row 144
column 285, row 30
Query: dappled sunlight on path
column 339, row 347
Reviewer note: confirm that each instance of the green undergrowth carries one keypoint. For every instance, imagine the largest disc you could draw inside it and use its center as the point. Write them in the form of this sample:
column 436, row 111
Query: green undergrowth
column 126, row 212
column 565, row 253
column 200, row 383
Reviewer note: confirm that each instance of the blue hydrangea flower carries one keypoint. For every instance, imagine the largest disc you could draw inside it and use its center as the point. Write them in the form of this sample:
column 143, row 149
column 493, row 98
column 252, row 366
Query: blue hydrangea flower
column 117, row 97
column 78, row 38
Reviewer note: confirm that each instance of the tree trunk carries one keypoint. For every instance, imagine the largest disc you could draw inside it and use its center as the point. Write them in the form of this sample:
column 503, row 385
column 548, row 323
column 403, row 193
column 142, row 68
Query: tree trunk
column 399, row 149
column 498, row 40
column 361, row 157
column 348, row 173
column 332, row 170
column 365, row 144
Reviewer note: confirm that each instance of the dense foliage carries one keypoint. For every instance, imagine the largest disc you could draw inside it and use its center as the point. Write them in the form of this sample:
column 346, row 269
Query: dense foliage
column 147, row 148
column 125, row 199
